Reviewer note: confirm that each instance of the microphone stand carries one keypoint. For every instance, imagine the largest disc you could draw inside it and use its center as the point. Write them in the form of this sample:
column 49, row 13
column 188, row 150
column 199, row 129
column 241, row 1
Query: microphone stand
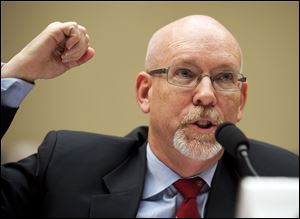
column 242, row 150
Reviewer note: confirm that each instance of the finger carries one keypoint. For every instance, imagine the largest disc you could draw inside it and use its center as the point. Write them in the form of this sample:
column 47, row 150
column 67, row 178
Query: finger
column 86, row 57
column 60, row 31
column 74, row 37
column 74, row 54
column 67, row 35
column 59, row 51
column 77, row 51
column 75, row 34
column 82, row 29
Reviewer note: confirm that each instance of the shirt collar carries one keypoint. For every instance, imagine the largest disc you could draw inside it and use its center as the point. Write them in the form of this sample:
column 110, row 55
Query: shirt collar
column 159, row 176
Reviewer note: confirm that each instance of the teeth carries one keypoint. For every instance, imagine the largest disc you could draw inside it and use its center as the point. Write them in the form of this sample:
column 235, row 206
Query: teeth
column 204, row 123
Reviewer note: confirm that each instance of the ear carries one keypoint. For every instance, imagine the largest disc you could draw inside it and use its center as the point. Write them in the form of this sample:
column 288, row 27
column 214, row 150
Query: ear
column 243, row 99
column 143, row 91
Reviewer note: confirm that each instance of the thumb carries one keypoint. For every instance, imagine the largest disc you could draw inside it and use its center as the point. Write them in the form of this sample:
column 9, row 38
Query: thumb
column 90, row 53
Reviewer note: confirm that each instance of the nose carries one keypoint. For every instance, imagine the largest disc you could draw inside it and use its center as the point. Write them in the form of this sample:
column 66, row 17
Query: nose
column 204, row 93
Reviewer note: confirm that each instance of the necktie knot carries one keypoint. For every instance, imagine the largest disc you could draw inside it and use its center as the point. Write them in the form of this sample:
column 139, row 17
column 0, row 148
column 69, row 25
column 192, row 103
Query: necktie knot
column 189, row 189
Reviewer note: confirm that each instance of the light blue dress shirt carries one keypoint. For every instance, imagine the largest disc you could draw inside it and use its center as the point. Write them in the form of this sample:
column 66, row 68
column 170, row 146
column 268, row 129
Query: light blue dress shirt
column 13, row 91
column 160, row 198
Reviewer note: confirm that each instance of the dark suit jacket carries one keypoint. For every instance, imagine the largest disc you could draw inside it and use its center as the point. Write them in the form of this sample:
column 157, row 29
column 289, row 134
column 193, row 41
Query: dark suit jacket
column 78, row 174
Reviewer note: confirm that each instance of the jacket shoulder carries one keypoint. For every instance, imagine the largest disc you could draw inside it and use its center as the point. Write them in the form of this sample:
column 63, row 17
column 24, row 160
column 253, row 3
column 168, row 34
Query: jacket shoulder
column 272, row 160
column 79, row 139
column 71, row 148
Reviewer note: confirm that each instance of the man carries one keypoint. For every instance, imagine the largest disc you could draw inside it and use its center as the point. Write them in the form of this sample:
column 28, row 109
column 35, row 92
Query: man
column 191, row 83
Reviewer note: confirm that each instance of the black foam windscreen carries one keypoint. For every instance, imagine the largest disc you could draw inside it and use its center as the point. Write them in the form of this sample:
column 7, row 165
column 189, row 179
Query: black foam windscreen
column 231, row 137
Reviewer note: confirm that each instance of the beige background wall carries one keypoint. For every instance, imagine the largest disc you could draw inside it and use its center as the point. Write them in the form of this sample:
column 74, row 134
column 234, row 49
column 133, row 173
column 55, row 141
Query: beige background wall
column 100, row 96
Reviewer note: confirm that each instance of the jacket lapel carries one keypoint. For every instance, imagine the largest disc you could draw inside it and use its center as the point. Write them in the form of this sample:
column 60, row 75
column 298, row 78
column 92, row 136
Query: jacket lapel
column 222, row 197
column 125, row 187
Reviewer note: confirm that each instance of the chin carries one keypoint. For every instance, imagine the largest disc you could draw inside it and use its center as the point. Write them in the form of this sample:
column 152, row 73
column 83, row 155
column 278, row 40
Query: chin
column 200, row 147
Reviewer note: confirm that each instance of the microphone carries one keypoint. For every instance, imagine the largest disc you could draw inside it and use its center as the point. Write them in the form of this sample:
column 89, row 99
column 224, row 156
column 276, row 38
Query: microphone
column 235, row 143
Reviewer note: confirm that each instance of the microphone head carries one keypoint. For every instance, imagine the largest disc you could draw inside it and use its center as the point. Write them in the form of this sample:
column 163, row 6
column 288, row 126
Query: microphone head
column 231, row 138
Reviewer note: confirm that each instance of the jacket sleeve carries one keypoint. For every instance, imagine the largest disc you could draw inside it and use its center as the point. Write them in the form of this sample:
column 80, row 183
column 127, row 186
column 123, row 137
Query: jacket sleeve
column 22, row 183
column 7, row 115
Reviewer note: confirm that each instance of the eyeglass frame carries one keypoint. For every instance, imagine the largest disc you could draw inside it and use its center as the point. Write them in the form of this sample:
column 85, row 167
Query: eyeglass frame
column 161, row 71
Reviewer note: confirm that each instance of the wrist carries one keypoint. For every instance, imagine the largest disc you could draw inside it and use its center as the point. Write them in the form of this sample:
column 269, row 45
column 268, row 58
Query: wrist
column 10, row 70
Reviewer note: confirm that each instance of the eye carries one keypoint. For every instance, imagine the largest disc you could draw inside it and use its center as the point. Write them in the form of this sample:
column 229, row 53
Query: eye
column 225, row 77
column 185, row 74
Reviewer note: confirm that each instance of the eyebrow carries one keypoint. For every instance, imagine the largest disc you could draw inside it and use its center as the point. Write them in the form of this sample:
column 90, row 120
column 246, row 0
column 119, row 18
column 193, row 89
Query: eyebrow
column 192, row 64
column 184, row 59
column 226, row 67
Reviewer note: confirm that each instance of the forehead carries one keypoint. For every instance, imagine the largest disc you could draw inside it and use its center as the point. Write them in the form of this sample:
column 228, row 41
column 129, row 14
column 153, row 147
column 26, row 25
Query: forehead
column 203, row 57
column 199, row 46
column 197, row 40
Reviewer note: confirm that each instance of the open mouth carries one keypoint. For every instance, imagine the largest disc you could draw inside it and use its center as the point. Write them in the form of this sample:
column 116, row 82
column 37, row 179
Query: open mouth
column 204, row 124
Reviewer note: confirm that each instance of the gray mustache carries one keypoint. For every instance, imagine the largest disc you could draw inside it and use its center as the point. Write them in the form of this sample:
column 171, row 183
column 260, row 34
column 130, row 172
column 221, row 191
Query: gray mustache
column 201, row 112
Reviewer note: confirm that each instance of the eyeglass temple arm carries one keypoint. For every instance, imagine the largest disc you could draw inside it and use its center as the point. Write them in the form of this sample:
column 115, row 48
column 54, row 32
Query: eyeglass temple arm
column 243, row 79
column 159, row 71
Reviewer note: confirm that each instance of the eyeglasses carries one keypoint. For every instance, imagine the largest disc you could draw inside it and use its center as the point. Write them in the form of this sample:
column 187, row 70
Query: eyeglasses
column 183, row 77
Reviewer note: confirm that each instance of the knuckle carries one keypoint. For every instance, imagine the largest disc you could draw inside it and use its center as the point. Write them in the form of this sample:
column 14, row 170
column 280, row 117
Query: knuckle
column 72, row 26
column 82, row 28
column 54, row 25
column 87, row 38
column 74, row 23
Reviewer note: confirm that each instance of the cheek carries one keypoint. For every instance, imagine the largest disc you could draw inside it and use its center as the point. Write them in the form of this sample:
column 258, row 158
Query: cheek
column 229, row 105
column 167, row 106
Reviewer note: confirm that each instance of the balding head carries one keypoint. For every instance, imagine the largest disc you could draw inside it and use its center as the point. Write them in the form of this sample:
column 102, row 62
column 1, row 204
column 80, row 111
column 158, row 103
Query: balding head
column 191, row 33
